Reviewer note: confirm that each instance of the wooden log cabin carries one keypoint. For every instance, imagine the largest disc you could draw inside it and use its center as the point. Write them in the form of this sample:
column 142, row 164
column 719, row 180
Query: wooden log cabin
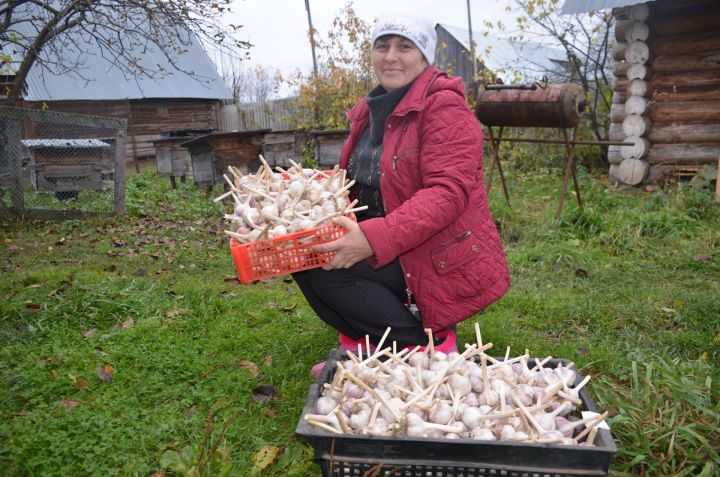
column 666, row 86
column 188, row 99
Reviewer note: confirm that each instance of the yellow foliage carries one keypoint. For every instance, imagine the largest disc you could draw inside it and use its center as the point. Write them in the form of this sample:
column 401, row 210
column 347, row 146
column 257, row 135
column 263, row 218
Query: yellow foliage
column 344, row 74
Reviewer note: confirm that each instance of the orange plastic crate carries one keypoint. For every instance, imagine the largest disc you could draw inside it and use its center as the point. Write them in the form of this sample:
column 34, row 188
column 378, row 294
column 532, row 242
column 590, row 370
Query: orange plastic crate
column 281, row 255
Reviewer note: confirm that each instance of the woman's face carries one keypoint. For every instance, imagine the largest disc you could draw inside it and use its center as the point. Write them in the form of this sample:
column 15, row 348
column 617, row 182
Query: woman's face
column 397, row 61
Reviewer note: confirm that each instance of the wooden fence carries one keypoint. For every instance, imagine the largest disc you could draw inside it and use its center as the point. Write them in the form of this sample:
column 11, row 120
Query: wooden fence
column 274, row 114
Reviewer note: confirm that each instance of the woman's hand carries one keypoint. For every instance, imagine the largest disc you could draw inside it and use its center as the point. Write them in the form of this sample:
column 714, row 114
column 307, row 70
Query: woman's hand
column 349, row 249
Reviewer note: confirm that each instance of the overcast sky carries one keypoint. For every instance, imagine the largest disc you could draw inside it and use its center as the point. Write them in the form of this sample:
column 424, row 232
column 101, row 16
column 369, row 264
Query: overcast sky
column 278, row 28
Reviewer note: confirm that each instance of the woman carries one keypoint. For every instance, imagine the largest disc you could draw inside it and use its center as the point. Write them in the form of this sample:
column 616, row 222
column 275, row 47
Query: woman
column 427, row 241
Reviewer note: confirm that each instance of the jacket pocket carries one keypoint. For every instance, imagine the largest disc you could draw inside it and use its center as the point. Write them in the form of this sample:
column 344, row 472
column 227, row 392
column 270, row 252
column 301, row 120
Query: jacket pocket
column 400, row 155
column 456, row 252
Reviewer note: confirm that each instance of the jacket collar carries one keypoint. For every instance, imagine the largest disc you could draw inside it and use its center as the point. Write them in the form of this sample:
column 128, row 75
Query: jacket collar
column 414, row 99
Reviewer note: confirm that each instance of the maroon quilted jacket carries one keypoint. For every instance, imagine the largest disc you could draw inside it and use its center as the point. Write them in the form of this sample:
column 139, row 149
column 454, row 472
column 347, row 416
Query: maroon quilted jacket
column 438, row 221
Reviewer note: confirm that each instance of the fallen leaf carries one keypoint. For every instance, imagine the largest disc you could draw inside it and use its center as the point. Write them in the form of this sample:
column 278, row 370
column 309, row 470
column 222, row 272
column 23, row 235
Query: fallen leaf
column 80, row 382
column 12, row 248
column 271, row 413
column 272, row 305
column 140, row 272
column 582, row 351
column 250, row 366
column 267, row 361
column 35, row 285
column 581, row 273
column 54, row 374
column 265, row 393
column 118, row 243
column 175, row 312
column 158, row 474
column 288, row 309
column 291, row 291
column 265, row 457
column 232, row 280
column 90, row 333
column 68, row 404
column 32, row 307
column 702, row 258
column 105, row 372
column 129, row 323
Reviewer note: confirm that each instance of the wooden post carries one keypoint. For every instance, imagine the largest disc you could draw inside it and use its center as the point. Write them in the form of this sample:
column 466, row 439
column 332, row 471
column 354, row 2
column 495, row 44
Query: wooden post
column 717, row 182
column 119, row 176
column 496, row 161
column 134, row 146
column 570, row 170
column 472, row 44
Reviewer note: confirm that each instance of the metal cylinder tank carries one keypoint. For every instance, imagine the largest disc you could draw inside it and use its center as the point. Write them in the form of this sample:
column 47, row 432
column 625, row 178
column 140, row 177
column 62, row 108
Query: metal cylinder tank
column 554, row 105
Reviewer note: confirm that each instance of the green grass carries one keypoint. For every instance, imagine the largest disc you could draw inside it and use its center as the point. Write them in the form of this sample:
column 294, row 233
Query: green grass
column 628, row 288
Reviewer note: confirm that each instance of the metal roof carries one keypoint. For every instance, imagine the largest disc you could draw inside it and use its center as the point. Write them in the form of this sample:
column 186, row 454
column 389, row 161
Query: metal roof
column 582, row 6
column 507, row 56
column 98, row 78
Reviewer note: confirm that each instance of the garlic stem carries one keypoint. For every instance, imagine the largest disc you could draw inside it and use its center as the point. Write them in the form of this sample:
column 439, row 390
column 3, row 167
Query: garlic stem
column 591, row 423
column 341, row 419
column 323, row 426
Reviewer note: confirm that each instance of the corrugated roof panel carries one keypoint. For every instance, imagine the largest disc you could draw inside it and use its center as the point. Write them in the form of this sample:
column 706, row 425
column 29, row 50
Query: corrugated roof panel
column 64, row 143
column 526, row 57
column 571, row 7
column 98, row 79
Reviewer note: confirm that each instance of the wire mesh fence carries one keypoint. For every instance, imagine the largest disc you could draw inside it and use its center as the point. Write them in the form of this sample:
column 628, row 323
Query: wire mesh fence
column 56, row 166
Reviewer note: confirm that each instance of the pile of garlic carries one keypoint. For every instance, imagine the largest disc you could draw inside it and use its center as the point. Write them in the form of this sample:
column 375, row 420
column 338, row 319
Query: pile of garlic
column 272, row 204
column 455, row 396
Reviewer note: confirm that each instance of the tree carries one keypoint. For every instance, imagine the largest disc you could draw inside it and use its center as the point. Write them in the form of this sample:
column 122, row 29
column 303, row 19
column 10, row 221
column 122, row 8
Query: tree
column 344, row 76
column 254, row 85
column 50, row 34
column 585, row 39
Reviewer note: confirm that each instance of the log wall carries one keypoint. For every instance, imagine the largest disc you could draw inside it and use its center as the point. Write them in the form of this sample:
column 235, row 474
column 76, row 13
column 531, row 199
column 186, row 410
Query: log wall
column 146, row 117
column 666, row 88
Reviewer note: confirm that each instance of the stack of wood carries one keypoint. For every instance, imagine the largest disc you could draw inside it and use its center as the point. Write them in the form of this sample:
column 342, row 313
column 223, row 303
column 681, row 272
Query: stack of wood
column 666, row 93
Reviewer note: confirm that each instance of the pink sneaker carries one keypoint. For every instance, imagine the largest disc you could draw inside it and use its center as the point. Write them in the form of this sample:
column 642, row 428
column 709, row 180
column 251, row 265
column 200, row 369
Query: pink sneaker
column 346, row 344
column 450, row 343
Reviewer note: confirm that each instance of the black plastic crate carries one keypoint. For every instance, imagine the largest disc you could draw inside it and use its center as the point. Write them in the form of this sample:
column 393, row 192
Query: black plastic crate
column 373, row 456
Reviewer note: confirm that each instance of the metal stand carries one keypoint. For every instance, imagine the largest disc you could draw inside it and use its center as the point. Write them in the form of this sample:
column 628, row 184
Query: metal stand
column 570, row 166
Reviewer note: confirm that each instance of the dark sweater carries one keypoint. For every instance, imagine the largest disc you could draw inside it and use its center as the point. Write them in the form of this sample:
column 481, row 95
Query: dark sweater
column 364, row 164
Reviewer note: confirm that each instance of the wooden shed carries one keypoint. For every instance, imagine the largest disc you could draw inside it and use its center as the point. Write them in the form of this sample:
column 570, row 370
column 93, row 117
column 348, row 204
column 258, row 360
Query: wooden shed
column 186, row 94
column 211, row 154
column 147, row 118
column 666, row 87
column 328, row 145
